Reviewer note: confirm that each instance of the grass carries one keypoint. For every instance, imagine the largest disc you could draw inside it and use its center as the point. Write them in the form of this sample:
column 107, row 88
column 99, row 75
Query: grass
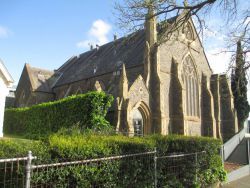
column 16, row 138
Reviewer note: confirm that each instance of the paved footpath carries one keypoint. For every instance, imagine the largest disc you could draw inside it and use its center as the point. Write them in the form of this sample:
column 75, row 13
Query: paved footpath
column 240, row 183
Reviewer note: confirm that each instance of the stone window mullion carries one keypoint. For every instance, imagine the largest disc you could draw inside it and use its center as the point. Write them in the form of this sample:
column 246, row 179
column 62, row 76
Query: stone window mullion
column 191, row 86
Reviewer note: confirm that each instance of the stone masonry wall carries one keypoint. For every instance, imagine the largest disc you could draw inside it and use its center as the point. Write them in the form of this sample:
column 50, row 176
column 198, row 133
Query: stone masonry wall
column 228, row 117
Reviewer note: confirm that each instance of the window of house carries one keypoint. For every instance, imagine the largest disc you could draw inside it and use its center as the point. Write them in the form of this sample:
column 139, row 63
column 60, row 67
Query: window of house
column 190, row 80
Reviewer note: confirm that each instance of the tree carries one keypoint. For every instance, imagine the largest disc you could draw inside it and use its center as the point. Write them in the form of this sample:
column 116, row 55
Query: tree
column 131, row 15
column 239, row 86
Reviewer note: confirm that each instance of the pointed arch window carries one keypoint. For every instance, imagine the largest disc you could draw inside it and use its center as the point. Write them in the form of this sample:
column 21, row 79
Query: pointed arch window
column 188, row 31
column 190, row 80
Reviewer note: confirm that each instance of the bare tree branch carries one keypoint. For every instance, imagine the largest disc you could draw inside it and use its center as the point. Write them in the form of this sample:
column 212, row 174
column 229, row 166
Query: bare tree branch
column 131, row 15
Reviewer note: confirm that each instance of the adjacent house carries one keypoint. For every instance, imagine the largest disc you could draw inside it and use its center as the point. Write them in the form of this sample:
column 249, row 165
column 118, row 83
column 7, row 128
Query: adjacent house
column 6, row 82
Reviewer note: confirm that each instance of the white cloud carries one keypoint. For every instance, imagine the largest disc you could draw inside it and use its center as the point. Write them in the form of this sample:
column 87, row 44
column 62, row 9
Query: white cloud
column 218, row 59
column 97, row 34
column 4, row 32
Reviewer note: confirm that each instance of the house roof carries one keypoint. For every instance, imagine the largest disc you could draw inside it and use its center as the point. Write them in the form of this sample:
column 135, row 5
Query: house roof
column 41, row 79
column 102, row 60
column 5, row 74
column 108, row 58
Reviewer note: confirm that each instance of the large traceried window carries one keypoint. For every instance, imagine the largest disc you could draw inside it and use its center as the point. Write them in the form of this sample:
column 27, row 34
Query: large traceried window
column 190, row 80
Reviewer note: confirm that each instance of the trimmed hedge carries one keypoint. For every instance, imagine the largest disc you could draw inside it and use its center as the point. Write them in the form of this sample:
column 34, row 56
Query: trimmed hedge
column 87, row 111
column 210, row 167
column 74, row 146
column 15, row 148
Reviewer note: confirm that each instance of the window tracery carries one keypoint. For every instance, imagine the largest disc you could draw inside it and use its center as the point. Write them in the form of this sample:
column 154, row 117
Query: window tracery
column 188, row 31
column 190, row 80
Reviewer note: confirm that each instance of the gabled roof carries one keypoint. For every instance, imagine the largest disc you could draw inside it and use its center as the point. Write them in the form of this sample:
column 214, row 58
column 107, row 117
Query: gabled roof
column 108, row 58
column 41, row 79
column 5, row 74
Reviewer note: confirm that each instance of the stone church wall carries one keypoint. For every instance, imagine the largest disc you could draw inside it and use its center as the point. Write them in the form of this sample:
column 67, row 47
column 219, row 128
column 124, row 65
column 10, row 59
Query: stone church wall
column 228, row 116
column 214, row 87
column 178, row 49
column 23, row 90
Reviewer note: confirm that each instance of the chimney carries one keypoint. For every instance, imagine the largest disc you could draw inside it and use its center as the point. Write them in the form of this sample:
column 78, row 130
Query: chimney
column 97, row 46
column 150, row 27
column 91, row 47
column 115, row 37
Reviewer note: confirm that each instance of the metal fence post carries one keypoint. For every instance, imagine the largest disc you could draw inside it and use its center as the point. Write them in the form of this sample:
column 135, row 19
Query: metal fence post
column 155, row 167
column 196, row 166
column 28, row 169
column 248, row 151
column 222, row 154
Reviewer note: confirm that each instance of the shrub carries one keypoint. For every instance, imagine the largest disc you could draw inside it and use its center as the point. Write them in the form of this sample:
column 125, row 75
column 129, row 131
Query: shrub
column 209, row 165
column 88, row 111
column 139, row 171
column 11, row 148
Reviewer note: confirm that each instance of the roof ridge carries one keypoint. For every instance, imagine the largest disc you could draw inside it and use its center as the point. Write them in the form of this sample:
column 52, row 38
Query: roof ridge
column 42, row 69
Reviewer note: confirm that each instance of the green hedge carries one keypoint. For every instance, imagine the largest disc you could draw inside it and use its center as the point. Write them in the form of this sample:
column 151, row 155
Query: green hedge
column 210, row 168
column 129, row 172
column 11, row 148
column 141, row 173
column 87, row 111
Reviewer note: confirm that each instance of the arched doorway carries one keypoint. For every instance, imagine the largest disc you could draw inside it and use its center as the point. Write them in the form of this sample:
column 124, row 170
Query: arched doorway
column 140, row 120
column 138, row 123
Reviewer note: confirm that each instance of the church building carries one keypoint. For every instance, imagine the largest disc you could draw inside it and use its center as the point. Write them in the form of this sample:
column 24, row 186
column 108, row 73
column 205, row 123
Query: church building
column 165, row 88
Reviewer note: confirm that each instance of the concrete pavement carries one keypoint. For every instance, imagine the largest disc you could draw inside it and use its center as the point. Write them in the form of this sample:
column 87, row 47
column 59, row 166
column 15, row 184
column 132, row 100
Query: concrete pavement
column 240, row 183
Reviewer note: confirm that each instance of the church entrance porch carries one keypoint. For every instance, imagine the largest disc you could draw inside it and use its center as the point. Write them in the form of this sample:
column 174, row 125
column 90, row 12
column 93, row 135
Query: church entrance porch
column 140, row 120
column 138, row 123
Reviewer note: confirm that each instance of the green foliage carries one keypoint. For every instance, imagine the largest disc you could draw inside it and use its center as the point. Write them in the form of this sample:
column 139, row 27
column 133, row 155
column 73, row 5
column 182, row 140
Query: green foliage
column 87, row 111
column 107, row 173
column 210, row 160
column 19, row 148
column 73, row 145
column 239, row 87
column 209, row 165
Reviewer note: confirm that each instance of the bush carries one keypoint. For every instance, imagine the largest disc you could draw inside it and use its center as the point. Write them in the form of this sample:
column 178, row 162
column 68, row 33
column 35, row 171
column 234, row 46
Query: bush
column 209, row 165
column 139, row 171
column 11, row 148
column 11, row 173
column 88, row 111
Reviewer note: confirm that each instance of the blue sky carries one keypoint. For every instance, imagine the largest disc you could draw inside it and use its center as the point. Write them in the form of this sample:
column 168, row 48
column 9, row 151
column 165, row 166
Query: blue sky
column 45, row 33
